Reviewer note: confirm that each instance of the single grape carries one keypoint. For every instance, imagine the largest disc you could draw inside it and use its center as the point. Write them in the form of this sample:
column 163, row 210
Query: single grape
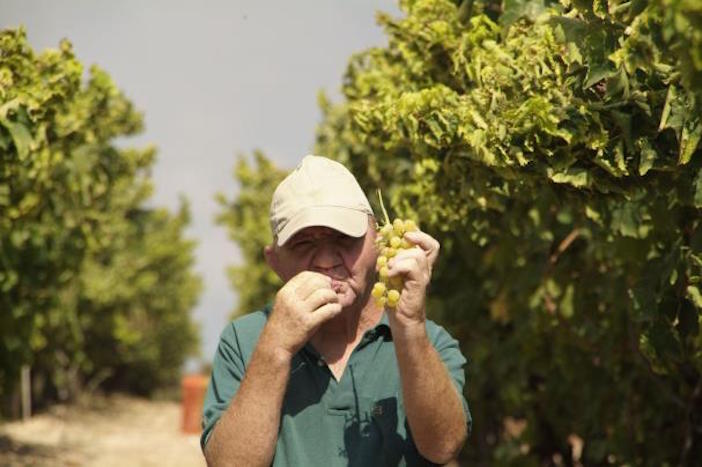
column 410, row 225
column 393, row 298
column 382, row 261
column 395, row 242
column 389, row 252
column 383, row 272
column 398, row 226
column 386, row 230
column 378, row 290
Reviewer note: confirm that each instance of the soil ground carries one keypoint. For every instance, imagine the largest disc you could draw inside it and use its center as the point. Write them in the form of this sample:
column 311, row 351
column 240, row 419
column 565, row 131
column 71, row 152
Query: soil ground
column 111, row 432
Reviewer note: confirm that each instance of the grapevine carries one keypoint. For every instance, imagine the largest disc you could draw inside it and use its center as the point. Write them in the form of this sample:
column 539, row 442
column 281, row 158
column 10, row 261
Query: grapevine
column 389, row 243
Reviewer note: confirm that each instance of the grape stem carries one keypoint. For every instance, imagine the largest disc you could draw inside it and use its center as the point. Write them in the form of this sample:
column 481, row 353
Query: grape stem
column 382, row 207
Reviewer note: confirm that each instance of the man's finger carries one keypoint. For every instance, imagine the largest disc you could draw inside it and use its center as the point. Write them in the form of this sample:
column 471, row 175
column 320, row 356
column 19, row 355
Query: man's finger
column 321, row 297
column 414, row 255
column 308, row 281
column 414, row 267
column 415, row 252
column 426, row 242
column 325, row 313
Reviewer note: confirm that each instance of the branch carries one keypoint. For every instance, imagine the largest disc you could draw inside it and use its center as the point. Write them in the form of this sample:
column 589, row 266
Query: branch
column 563, row 246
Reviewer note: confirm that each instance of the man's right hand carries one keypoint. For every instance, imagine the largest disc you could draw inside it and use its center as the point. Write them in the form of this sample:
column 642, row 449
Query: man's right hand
column 301, row 306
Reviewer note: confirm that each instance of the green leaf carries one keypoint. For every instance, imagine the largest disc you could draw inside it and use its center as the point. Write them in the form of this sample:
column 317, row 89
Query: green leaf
column 512, row 10
column 4, row 194
column 618, row 85
column 647, row 157
column 597, row 73
column 690, row 139
column 669, row 97
column 567, row 308
column 20, row 136
column 630, row 220
column 10, row 279
column 697, row 199
column 578, row 178
column 693, row 293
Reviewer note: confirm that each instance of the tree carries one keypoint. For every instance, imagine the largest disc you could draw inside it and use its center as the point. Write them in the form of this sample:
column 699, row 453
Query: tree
column 553, row 149
column 246, row 220
column 77, row 244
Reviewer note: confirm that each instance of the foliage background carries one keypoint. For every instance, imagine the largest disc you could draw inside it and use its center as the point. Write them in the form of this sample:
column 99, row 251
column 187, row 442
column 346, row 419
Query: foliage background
column 553, row 149
column 95, row 287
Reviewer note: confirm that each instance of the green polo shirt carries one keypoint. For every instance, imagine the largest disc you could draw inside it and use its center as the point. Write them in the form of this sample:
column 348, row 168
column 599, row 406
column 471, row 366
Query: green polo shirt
column 359, row 420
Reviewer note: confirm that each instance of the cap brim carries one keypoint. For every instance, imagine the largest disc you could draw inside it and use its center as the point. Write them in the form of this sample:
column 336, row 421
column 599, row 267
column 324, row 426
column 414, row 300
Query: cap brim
column 351, row 222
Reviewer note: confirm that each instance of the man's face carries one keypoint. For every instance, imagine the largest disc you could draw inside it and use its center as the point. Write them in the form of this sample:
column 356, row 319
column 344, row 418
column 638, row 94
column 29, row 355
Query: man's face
column 349, row 261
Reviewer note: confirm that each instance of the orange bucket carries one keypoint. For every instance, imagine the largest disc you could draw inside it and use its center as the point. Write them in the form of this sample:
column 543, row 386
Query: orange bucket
column 193, row 397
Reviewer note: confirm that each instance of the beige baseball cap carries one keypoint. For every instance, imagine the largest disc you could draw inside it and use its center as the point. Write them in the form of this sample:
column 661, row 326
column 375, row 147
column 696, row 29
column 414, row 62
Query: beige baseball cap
column 319, row 192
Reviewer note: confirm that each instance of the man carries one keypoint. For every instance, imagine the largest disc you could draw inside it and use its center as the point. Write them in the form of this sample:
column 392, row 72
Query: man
column 324, row 377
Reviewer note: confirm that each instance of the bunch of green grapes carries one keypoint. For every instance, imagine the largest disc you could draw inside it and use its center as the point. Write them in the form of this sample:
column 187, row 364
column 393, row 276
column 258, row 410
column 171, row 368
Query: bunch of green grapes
column 390, row 241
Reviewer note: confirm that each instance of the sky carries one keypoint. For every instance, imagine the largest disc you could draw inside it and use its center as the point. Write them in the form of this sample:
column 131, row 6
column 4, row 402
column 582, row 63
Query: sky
column 214, row 79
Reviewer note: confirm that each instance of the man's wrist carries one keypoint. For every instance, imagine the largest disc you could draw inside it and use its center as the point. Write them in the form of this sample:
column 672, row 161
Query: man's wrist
column 410, row 333
column 273, row 353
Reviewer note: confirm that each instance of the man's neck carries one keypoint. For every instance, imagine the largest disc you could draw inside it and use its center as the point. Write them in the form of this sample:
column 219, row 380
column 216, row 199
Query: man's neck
column 336, row 336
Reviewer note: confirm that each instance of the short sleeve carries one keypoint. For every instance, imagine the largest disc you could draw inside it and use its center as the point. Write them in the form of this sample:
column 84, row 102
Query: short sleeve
column 227, row 372
column 450, row 353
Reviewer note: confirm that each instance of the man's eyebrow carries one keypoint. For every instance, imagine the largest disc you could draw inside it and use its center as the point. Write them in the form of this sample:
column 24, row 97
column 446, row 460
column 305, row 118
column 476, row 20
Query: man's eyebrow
column 301, row 236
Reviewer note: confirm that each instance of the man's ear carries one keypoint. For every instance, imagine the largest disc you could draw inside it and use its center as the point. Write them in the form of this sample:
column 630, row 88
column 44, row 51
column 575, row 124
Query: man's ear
column 271, row 255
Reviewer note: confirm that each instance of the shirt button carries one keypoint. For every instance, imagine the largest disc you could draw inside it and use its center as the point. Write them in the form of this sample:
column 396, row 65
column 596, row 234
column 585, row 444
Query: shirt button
column 321, row 362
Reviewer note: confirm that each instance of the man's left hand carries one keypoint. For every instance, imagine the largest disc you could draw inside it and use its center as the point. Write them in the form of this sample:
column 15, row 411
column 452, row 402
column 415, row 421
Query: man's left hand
column 414, row 266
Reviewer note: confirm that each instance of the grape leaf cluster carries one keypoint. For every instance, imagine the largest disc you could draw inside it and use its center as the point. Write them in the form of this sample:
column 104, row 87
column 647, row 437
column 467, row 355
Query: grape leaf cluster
column 390, row 242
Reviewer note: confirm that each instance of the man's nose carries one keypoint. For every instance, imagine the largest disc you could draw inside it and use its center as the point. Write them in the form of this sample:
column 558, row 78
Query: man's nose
column 326, row 257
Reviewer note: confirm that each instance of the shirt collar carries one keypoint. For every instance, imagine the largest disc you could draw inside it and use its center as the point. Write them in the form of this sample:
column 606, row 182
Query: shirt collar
column 380, row 330
column 384, row 325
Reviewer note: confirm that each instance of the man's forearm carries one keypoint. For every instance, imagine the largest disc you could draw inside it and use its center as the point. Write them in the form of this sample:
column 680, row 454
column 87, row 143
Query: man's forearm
column 433, row 406
column 247, row 431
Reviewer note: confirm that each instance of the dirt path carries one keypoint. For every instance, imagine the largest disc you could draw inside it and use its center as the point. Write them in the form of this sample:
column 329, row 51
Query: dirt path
column 119, row 431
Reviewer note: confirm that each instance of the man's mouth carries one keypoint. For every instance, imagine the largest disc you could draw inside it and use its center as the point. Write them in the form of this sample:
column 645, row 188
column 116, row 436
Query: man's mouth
column 337, row 285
